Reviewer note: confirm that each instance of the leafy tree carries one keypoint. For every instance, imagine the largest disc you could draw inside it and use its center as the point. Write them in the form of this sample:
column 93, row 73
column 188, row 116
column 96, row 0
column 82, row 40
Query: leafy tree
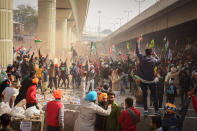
column 28, row 16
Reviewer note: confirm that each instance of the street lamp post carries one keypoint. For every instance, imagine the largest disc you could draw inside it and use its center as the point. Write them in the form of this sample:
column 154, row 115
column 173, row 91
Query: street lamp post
column 99, row 26
column 128, row 14
column 139, row 1
column 120, row 20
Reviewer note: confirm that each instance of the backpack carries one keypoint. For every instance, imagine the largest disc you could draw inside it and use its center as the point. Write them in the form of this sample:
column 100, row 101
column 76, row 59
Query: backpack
column 170, row 90
column 133, row 115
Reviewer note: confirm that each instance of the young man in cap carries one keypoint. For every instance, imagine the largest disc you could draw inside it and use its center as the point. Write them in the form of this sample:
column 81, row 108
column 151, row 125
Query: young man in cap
column 55, row 113
column 171, row 120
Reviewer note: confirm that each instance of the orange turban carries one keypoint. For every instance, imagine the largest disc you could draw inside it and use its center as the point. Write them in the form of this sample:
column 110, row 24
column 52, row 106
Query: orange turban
column 35, row 81
column 138, row 81
column 102, row 95
column 57, row 94
column 56, row 65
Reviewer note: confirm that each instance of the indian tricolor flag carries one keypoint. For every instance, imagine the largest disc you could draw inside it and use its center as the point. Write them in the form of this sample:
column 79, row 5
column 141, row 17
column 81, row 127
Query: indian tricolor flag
column 36, row 40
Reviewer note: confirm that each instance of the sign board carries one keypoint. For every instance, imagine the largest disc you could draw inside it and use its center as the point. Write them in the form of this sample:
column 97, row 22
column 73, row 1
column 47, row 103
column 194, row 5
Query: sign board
column 26, row 126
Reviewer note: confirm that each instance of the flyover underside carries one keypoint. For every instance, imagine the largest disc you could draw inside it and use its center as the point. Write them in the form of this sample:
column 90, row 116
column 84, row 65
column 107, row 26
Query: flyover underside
column 176, row 16
column 183, row 33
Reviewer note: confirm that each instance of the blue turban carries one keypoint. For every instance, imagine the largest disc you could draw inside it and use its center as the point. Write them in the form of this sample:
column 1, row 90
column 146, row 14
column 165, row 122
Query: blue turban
column 91, row 96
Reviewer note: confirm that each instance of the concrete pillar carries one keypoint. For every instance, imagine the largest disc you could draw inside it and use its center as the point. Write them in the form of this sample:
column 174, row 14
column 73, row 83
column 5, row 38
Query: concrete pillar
column 6, row 32
column 61, row 37
column 47, row 26
column 69, row 36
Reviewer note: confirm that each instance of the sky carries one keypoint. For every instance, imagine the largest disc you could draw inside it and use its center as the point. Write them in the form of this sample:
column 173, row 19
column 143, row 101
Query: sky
column 111, row 12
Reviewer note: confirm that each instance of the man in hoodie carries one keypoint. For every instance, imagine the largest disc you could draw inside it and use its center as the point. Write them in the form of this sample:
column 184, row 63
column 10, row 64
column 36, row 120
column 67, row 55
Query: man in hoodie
column 145, row 71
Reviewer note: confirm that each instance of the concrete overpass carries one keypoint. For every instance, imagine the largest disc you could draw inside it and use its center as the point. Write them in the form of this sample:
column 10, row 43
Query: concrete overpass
column 64, row 19
column 60, row 23
column 161, row 17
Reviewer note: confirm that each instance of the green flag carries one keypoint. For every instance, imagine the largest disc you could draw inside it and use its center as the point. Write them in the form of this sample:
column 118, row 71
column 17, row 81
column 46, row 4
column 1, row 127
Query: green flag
column 152, row 44
column 71, row 48
column 36, row 40
column 128, row 45
column 92, row 46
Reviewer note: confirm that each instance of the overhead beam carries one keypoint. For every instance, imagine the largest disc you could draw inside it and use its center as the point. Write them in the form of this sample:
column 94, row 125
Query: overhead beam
column 63, row 8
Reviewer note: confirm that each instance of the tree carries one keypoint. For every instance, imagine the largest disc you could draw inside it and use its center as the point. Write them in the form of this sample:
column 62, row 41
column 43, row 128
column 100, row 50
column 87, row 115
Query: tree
column 28, row 16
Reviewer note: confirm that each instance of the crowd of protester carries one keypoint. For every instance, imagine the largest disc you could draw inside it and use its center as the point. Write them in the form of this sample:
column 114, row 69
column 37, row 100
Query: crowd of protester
column 166, row 75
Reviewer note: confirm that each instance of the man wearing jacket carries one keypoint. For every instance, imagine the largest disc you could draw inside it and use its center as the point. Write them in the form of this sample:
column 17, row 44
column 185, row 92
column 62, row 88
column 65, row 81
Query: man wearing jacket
column 112, row 120
column 55, row 113
column 145, row 71
column 129, row 117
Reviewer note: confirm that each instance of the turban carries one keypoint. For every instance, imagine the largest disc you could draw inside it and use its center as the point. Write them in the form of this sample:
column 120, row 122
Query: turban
column 91, row 96
column 102, row 95
column 57, row 94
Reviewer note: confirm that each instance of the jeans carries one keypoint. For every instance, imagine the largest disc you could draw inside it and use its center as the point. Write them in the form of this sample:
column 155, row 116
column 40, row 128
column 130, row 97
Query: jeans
column 122, row 88
column 51, row 81
column 28, row 105
column 39, row 84
column 183, row 95
column 75, row 81
column 52, row 128
column 154, row 94
column 64, row 81
column 90, row 83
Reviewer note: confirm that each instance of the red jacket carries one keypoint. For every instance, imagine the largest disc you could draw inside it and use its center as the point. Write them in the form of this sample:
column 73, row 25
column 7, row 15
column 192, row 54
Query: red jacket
column 53, row 108
column 31, row 94
column 194, row 102
column 126, row 122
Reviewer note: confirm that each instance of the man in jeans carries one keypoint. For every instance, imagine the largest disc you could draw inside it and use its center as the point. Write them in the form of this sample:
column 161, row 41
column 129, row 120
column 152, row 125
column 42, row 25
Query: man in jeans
column 145, row 72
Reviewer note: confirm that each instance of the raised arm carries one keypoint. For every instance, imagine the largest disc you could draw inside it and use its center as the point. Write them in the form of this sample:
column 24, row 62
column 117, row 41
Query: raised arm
column 83, row 94
column 103, row 112
column 138, row 52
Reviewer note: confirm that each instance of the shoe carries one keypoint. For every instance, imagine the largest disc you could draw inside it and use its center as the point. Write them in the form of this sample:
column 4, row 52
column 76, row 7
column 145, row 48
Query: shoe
column 146, row 113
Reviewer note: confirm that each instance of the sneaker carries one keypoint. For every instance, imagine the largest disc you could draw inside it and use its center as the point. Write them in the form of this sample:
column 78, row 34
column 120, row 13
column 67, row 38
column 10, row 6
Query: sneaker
column 146, row 113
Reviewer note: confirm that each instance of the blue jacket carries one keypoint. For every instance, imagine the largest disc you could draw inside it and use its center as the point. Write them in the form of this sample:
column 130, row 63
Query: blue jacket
column 146, row 66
